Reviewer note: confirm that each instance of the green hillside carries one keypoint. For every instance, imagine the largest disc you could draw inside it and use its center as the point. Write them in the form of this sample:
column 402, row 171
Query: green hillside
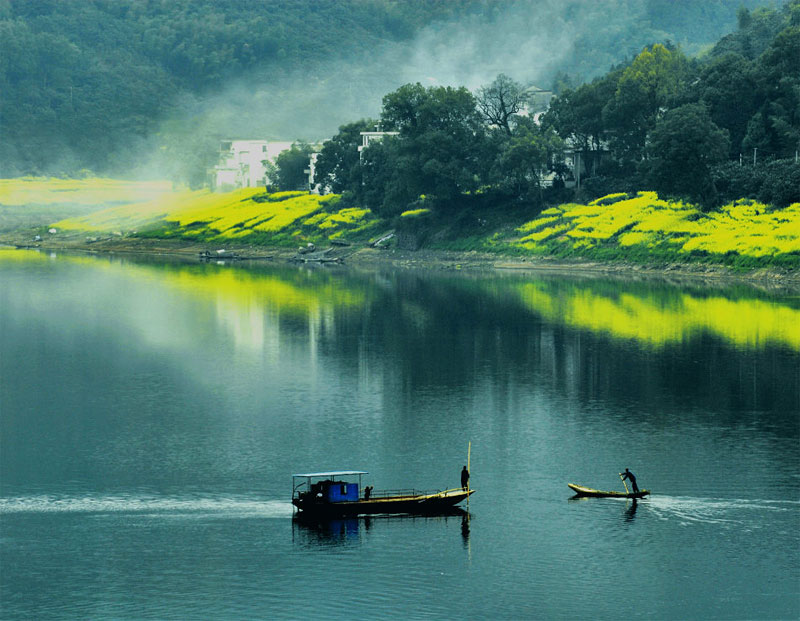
column 106, row 84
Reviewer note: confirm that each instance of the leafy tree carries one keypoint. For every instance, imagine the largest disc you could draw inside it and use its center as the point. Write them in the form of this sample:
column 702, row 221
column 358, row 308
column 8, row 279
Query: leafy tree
column 756, row 30
column 439, row 148
column 291, row 165
column 338, row 168
column 577, row 115
column 526, row 157
column 781, row 185
column 648, row 86
column 500, row 101
column 683, row 147
column 728, row 86
column 780, row 84
column 734, row 180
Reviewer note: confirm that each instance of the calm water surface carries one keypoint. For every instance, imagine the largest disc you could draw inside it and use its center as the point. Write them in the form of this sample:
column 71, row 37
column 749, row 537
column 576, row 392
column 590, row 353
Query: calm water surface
column 152, row 414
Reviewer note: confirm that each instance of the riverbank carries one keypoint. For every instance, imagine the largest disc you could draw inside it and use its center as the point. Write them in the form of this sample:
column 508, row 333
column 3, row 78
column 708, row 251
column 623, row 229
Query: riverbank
column 364, row 256
column 632, row 234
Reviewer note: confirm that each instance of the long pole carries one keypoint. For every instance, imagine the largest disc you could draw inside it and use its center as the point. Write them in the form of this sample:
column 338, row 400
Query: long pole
column 624, row 483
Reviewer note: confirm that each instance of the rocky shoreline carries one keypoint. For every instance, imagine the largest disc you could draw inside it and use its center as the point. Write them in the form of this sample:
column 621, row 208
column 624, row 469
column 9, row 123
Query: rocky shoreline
column 423, row 259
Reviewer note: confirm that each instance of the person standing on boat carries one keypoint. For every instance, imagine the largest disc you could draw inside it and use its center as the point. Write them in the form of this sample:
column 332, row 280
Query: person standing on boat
column 629, row 475
column 465, row 478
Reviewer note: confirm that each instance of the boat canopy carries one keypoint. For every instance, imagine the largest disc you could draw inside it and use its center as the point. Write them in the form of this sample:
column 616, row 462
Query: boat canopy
column 335, row 473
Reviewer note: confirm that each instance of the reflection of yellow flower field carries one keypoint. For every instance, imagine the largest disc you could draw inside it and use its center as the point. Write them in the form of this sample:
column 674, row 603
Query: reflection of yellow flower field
column 12, row 255
column 245, row 289
column 301, row 295
column 649, row 224
column 655, row 322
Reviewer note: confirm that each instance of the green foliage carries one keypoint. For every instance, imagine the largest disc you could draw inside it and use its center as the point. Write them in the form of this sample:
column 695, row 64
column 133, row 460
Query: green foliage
column 291, row 165
column 653, row 81
column 728, row 86
column 338, row 167
column 683, row 147
column 781, row 186
column 525, row 157
column 437, row 152
column 627, row 125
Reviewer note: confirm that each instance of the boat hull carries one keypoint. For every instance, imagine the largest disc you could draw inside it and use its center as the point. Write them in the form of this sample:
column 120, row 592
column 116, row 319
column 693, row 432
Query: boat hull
column 418, row 504
column 580, row 490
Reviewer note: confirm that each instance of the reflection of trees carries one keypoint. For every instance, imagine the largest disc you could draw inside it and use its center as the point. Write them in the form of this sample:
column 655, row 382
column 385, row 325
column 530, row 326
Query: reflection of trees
column 434, row 331
column 626, row 342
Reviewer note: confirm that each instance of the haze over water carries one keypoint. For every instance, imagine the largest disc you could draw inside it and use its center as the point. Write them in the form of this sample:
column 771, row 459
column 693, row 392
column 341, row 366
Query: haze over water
column 152, row 414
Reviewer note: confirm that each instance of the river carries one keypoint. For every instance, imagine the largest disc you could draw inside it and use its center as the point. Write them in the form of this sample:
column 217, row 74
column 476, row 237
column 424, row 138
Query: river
column 152, row 413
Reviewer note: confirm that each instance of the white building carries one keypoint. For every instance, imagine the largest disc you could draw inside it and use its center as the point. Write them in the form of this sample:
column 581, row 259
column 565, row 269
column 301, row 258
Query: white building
column 243, row 163
column 368, row 137
column 313, row 185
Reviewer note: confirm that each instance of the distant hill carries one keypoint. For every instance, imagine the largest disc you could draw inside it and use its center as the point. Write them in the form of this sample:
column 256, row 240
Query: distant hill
column 113, row 85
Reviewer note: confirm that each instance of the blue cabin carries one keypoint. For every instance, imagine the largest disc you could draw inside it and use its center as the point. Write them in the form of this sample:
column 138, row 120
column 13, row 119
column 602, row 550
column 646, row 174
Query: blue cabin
column 326, row 487
column 338, row 492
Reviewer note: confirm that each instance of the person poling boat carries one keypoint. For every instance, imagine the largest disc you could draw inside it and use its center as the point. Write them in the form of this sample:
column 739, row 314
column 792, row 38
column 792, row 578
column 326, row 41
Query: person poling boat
column 582, row 490
column 629, row 475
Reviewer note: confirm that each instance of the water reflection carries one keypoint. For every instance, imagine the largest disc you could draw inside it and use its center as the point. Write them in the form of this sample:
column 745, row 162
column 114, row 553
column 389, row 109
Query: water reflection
column 661, row 317
column 161, row 408
column 630, row 511
column 651, row 314
column 323, row 532
column 414, row 332
column 631, row 505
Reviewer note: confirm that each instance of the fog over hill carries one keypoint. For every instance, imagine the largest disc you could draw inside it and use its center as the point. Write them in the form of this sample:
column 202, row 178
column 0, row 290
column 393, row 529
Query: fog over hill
column 82, row 103
column 529, row 41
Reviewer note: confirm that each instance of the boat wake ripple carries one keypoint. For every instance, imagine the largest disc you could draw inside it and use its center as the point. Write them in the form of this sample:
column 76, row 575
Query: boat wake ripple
column 715, row 510
column 219, row 506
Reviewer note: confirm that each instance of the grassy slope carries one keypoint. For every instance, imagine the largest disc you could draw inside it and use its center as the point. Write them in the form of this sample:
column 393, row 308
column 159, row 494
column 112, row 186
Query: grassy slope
column 641, row 228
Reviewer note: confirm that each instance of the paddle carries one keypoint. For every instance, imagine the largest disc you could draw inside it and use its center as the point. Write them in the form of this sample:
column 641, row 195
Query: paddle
column 469, row 454
column 624, row 483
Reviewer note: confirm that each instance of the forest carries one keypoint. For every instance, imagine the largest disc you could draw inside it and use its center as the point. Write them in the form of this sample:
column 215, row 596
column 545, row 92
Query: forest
column 707, row 130
column 110, row 86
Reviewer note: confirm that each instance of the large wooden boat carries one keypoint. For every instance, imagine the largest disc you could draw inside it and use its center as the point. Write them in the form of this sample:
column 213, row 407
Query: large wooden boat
column 338, row 494
column 580, row 490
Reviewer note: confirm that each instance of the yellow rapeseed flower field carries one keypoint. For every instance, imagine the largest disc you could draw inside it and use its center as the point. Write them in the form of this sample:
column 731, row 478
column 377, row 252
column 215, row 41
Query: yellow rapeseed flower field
column 93, row 191
column 235, row 215
column 645, row 222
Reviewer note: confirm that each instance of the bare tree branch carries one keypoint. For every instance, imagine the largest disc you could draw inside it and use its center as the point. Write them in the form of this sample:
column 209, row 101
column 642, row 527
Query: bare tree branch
column 501, row 100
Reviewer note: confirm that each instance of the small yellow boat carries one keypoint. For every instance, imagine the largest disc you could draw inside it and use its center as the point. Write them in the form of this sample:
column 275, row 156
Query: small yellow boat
column 580, row 490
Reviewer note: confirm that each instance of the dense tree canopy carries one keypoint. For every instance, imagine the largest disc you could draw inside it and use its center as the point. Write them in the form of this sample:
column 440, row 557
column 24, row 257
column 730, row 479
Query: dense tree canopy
column 438, row 151
column 648, row 85
column 338, row 167
column 661, row 121
column 291, row 166
column 683, row 147
column 663, row 118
